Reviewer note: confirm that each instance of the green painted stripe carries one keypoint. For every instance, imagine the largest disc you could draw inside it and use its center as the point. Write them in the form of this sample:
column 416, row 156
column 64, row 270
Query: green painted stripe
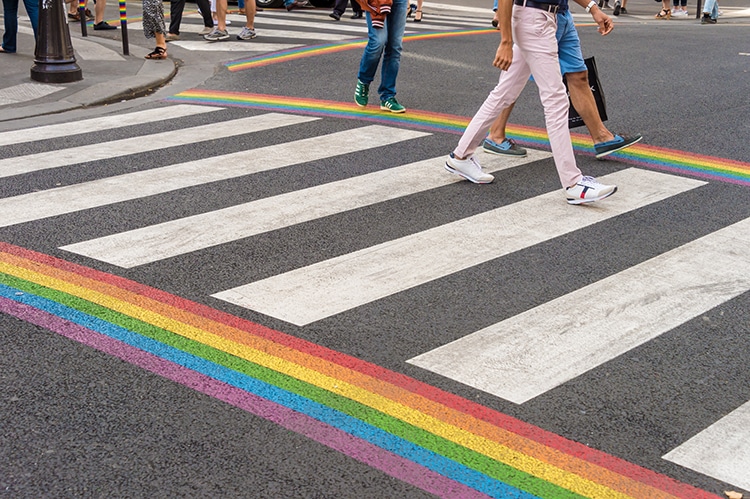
column 418, row 436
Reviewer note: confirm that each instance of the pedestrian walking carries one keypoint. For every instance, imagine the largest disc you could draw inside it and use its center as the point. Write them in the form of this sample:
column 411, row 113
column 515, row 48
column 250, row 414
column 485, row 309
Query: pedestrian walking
column 154, row 27
column 177, row 7
column 386, row 22
column 220, row 32
column 573, row 67
column 10, row 23
column 416, row 9
column 528, row 46
column 710, row 12
column 340, row 7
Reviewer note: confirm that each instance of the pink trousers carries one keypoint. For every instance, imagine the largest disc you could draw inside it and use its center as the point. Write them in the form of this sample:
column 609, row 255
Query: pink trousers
column 534, row 53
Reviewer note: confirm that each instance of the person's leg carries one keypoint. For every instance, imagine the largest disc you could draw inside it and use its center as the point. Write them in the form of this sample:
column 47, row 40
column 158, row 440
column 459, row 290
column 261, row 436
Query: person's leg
column 221, row 14
column 500, row 99
column 32, row 9
column 376, row 40
column 99, row 11
column 248, row 32
column 394, row 27
column 534, row 31
column 176, row 8
column 497, row 130
column 340, row 7
column 204, row 7
column 250, row 10
column 10, row 18
column 710, row 9
column 574, row 68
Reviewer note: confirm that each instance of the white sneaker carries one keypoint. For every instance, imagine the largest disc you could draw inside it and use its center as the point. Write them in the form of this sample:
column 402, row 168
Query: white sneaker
column 470, row 169
column 588, row 190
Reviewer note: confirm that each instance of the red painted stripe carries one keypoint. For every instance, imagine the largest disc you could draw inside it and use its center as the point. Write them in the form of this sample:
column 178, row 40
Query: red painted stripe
column 579, row 451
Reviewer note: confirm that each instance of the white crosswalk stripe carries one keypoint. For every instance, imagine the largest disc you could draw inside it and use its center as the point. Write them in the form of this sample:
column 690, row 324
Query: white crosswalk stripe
column 123, row 147
column 721, row 450
column 280, row 30
column 634, row 306
column 367, row 275
column 181, row 236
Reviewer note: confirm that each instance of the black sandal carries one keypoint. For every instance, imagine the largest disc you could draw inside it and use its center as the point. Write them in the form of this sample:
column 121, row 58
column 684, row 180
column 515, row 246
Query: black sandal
column 158, row 53
column 417, row 16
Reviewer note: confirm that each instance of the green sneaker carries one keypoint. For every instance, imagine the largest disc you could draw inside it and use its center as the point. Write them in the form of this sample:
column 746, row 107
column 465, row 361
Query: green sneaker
column 362, row 94
column 392, row 105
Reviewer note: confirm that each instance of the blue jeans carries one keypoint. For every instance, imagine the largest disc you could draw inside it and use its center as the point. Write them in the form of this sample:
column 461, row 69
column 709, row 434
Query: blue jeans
column 10, row 13
column 711, row 7
column 388, row 43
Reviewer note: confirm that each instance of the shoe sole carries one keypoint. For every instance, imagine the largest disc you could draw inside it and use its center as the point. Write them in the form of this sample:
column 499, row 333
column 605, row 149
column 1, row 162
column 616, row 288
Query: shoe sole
column 398, row 111
column 591, row 200
column 604, row 154
column 248, row 38
column 505, row 153
column 473, row 180
column 217, row 39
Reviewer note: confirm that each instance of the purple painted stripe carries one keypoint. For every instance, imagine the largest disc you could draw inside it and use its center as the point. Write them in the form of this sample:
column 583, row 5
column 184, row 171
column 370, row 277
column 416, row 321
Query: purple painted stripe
column 338, row 440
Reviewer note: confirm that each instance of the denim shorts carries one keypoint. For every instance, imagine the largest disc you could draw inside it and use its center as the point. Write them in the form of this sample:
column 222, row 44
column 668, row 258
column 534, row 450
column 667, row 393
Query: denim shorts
column 568, row 44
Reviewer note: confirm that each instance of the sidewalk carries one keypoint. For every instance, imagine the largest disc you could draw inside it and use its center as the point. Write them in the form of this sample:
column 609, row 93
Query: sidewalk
column 109, row 76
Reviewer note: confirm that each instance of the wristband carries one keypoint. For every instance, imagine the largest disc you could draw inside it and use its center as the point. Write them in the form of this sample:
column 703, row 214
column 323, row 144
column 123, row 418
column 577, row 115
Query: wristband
column 590, row 5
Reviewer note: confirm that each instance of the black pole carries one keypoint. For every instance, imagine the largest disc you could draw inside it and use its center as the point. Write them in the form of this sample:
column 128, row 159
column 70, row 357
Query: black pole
column 82, row 17
column 124, row 27
column 54, row 60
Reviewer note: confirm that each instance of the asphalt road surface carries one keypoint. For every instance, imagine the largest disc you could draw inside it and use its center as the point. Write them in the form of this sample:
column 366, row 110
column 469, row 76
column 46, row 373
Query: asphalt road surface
column 245, row 286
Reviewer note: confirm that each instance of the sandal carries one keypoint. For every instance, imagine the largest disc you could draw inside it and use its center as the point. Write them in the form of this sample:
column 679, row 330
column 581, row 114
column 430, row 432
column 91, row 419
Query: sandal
column 417, row 16
column 664, row 14
column 158, row 53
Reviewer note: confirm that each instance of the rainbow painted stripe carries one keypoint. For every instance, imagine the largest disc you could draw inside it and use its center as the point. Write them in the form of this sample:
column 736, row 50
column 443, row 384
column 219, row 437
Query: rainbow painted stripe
column 431, row 439
column 657, row 158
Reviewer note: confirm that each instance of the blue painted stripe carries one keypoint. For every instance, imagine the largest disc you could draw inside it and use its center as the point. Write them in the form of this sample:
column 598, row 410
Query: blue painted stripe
column 337, row 419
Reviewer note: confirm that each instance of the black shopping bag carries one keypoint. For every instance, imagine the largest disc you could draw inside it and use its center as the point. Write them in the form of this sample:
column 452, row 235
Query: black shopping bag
column 574, row 119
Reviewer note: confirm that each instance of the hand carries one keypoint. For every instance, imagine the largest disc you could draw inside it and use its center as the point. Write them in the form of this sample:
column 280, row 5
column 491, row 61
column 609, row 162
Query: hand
column 604, row 21
column 503, row 56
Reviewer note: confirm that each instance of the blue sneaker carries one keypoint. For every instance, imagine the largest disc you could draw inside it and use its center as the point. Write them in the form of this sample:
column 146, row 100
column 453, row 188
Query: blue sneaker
column 619, row 142
column 507, row 147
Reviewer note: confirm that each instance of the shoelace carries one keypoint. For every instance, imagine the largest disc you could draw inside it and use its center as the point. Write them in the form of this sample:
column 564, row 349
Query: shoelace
column 589, row 181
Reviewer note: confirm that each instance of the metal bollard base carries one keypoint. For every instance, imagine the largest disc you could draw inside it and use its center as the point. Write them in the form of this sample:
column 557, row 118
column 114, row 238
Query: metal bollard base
column 56, row 73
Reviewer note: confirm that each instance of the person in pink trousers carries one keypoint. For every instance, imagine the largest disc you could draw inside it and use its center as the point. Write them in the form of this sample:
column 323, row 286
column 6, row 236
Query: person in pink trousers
column 528, row 46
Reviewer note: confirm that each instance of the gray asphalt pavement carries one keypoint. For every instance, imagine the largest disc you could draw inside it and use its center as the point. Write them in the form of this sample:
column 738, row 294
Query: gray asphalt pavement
column 110, row 76
column 79, row 422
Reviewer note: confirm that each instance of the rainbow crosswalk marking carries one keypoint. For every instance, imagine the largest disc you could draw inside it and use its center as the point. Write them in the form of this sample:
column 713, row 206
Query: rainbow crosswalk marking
column 652, row 157
column 429, row 438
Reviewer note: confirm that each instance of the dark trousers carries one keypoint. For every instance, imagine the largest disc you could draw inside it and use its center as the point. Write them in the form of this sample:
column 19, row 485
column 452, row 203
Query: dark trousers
column 340, row 6
column 175, row 14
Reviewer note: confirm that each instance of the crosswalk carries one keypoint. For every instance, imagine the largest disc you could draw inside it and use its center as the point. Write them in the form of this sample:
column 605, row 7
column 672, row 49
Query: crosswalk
column 280, row 30
column 574, row 333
